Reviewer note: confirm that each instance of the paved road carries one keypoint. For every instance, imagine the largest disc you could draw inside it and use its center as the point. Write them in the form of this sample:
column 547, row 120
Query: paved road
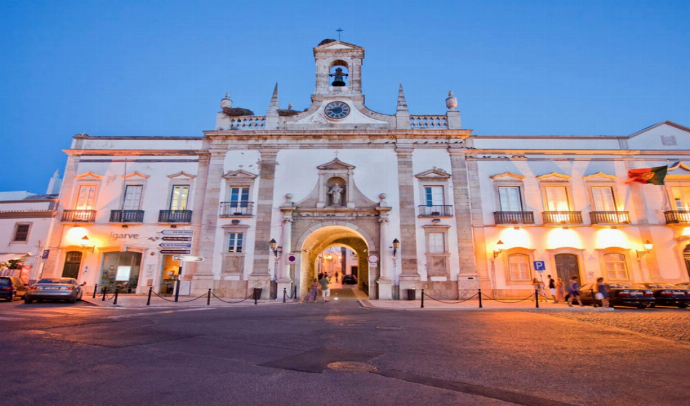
column 334, row 354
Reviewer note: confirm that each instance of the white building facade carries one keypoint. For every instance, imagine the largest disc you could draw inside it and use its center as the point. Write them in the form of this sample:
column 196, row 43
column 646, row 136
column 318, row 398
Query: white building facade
column 420, row 201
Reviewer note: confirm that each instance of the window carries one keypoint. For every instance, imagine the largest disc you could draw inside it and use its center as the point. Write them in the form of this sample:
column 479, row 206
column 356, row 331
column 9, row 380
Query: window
column 603, row 198
column 21, row 232
column 519, row 267
column 681, row 197
column 509, row 198
column 436, row 243
column 239, row 196
column 178, row 200
column 235, row 242
column 132, row 197
column 615, row 267
column 87, row 197
column 557, row 198
column 433, row 195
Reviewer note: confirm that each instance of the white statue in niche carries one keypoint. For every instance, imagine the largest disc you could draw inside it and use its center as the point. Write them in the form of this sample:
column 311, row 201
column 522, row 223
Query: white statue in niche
column 336, row 193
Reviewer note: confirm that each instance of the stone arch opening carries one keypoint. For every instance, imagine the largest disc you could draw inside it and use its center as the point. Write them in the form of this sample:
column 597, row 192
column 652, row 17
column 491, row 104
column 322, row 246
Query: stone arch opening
column 339, row 72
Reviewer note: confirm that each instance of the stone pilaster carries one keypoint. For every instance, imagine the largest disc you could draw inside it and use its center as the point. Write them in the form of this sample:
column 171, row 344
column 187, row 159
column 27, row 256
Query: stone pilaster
column 652, row 272
column 283, row 277
column 263, row 257
column 468, row 277
column 409, row 276
column 385, row 281
column 198, row 210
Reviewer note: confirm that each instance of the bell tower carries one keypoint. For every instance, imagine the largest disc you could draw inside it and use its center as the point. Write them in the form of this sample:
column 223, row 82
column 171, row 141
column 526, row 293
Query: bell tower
column 338, row 70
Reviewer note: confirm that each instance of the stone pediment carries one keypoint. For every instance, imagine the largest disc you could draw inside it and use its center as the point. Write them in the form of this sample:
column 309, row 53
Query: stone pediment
column 239, row 174
column 680, row 172
column 335, row 164
column 508, row 176
column 89, row 176
column 554, row 177
column 433, row 174
column 599, row 177
column 181, row 175
column 136, row 175
column 336, row 45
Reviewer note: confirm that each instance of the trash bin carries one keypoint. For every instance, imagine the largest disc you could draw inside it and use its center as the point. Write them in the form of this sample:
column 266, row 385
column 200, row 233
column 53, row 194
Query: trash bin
column 411, row 294
column 257, row 294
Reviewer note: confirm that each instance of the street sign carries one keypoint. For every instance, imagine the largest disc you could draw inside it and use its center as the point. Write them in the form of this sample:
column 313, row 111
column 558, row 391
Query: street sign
column 176, row 245
column 188, row 258
column 175, row 251
column 45, row 254
column 539, row 266
column 292, row 258
column 373, row 258
column 177, row 232
column 176, row 238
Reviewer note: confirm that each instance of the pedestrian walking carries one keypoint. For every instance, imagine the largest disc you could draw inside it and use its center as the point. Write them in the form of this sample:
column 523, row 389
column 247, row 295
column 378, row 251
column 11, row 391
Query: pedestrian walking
column 574, row 292
column 560, row 291
column 602, row 293
column 324, row 288
column 313, row 293
column 538, row 286
column 552, row 286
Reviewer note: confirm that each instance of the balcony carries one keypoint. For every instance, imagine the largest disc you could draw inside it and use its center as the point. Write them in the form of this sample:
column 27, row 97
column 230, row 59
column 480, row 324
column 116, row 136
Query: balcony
column 609, row 217
column 558, row 218
column 79, row 216
column 677, row 216
column 126, row 216
column 436, row 211
column 235, row 209
column 514, row 217
column 175, row 216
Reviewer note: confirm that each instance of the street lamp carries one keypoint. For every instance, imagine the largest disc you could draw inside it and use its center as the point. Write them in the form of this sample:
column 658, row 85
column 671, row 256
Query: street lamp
column 396, row 245
column 84, row 242
column 647, row 248
column 498, row 249
column 272, row 245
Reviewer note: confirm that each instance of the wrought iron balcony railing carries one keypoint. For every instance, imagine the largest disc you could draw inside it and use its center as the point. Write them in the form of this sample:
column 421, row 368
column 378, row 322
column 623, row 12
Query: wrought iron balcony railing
column 562, row 217
column 436, row 211
column 609, row 217
column 677, row 216
column 126, row 216
column 79, row 216
column 514, row 217
column 175, row 216
column 232, row 209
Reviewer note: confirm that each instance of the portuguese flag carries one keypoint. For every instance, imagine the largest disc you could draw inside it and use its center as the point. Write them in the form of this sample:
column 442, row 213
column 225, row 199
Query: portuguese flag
column 652, row 176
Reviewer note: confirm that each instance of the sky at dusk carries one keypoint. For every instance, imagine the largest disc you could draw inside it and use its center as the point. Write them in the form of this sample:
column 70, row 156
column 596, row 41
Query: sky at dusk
column 160, row 68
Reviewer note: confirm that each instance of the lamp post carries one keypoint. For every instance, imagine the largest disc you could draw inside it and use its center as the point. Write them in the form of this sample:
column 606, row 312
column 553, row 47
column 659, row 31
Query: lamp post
column 498, row 249
column 647, row 248
column 84, row 242
column 396, row 245
column 272, row 244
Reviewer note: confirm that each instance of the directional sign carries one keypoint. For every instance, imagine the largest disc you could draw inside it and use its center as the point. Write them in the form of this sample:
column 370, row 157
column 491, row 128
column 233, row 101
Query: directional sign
column 176, row 238
column 177, row 232
column 175, row 245
column 188, row 258
column 539, row 266
column 175, row 251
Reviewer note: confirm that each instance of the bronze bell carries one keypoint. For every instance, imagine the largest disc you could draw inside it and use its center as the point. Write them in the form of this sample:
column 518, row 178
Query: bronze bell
column 338, row 77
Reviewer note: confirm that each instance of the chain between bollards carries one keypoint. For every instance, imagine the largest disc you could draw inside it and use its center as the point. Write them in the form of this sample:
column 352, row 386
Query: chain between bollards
column 148, row 302
column 208, row 301
column 116, row 292
column 536, row 297
column 284, row 295
column 95, row 290
column 422, row 298
column 480, row 298
column 105, row 289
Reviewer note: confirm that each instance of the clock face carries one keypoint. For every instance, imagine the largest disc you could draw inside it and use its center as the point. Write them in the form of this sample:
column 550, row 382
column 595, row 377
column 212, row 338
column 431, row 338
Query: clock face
column 337, row 110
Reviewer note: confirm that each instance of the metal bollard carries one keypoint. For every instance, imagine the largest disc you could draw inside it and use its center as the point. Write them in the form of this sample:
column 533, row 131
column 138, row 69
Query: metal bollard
column 422, row 298
column 148, row 302
column 536, row 297
column 116, row 292
column 105, row 289
column 256, row 297
column 294, row 292
column 594, row 300
column 480, row 298
column 95, row 289
column 284, row 294
column 208, row 301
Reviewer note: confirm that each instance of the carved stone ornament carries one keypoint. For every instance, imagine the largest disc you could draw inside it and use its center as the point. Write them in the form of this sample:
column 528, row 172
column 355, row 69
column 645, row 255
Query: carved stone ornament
column 451, row 101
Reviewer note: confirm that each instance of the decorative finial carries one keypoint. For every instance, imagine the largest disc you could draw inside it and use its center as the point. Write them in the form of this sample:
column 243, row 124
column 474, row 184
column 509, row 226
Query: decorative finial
column 339, row 31
column 226, row 102
column 451, row 101
column 290, row 106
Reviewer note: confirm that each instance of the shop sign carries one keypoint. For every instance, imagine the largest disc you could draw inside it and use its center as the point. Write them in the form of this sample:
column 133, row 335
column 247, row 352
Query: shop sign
column 188, row 258
column 175, row 252
column 177, row 232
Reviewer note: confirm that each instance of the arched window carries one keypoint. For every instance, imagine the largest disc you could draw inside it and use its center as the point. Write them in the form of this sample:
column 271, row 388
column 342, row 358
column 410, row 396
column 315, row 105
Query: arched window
column 519, row 267
column 616, row 268
column 340, row 73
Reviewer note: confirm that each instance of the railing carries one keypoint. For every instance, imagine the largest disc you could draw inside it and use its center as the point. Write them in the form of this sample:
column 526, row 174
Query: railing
column 79, row 216
column 428, row 122
column 562, row 217
column 436, row 211
column 175, row 216
column 230, row 209
column 677, row 216
column 514, row 217
column 126, row 216
column 610, row 217
column 246, row 123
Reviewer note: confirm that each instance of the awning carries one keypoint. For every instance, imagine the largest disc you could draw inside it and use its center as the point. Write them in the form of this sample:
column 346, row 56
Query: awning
column 4, row 257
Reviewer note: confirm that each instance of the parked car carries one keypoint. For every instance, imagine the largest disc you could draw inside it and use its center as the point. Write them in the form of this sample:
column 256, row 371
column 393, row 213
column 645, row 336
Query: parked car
column 11, row 287
column 349, row 280
column 54, row 289
column 666, row 294
column 621, row 294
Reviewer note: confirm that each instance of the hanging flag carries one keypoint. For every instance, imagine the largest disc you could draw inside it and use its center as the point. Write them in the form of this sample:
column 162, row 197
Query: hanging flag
column 653, row 176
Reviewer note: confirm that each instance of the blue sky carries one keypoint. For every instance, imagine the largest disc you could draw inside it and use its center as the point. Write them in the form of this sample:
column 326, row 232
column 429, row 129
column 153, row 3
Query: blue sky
column 160, row 68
